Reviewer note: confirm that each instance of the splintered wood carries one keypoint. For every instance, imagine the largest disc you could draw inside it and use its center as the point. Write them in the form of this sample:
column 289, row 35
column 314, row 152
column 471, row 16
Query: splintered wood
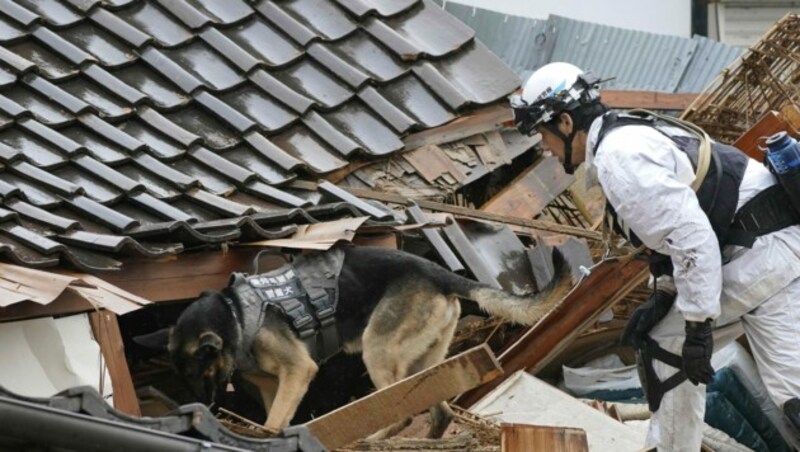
column 766, row 78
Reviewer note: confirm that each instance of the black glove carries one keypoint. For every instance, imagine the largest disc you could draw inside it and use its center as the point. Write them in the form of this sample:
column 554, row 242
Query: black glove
column 697, row 350
column 646, row 316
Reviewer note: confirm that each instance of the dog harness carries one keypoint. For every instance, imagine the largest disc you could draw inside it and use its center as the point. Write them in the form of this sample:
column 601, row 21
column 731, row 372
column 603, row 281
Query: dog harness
column 304, row 291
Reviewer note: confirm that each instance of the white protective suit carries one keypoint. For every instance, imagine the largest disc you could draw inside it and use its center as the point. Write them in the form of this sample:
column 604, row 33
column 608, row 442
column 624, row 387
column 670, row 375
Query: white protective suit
column 646, row 178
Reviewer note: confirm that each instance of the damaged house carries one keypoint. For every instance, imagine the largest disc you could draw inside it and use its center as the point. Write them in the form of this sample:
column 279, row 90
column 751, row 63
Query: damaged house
column 150, row 148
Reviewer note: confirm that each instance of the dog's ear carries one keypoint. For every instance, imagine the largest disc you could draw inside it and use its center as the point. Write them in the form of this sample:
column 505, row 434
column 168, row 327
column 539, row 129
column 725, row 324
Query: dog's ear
column 157, row 340
column 209, row 346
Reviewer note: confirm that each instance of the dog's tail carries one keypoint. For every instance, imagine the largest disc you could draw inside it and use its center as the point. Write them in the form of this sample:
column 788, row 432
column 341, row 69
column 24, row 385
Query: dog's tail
column 525, row 310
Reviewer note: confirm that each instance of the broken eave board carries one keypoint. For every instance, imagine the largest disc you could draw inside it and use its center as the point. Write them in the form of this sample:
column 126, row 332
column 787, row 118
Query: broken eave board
column 608, row 283
column 528, row 194
column 405, row 398
column 484, row 120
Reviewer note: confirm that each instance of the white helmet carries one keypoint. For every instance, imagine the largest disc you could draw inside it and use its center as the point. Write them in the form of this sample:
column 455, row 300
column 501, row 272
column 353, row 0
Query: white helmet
column 551, row 90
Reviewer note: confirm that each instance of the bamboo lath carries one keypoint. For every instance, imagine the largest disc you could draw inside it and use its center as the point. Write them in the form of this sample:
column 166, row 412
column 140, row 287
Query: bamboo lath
column 765, row 78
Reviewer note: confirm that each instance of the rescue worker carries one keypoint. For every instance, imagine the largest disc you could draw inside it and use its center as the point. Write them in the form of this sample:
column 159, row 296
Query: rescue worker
column 726, row 256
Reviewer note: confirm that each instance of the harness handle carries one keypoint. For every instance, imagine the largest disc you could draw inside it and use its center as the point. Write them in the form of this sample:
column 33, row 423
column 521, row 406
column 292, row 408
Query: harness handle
column 266, row 251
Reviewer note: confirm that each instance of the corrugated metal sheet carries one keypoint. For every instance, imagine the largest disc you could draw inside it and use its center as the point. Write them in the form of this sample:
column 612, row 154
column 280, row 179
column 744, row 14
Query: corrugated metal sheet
column 710, row 58
column 639, row 60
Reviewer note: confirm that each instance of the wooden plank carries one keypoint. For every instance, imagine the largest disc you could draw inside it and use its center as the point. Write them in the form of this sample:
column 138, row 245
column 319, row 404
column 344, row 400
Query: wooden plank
column 187, row 274
column 530, row 192
column 484, row 120
column 406, row 397
column 769, row 124
column 106, row 332
column 647, row 99
column 431, row 162
column 525, row 438
column 608, row 283
column 472, row 213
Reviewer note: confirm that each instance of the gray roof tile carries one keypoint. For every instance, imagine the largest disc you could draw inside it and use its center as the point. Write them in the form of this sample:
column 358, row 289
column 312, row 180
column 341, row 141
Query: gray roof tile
column 10, row 30
column 154, row 184
column 107, row 49
column 176, row 178
column 477, row 74
column 227, row 12
column 206, row 65
column 36, row 150
column 186, row 13
column 113, row 84
column 382, row 7
column 57, row 140
column 61, row 46
column 22, row 15
column 71, row 103
column 395, row 117
column 209, row 179
column 364, row 53
column 219, row 204
column 324, row 17
column 102, row 214
column 226, row 47
column 160, row 92
column 27, row 190
column 103, row 101
column 215, row 133
column 240, row 175
column 252, row 102
column 167, row 127
column 281, row 91
column 105, row 150
column 158, row 143
column 336, row 139
column 150, row 19
column 52, row 221
column 53, row 11
column 6, row 77
column 251, row 34
column 9, row 154
column 103, row 128
column 283, row 20
column 107, row 174
column 358, row 123
column 344, row 70
column 160, row 208
column 275, row 194
column 309, row 79
column 52, row 182
column 49, row 64
column 302, row 144
column 224, row 112
column 95, row 188
column 13, row 109
column 440, row 85
column 247, row 157
column 121, row 28
column 32, row 239
column 415, row 99
column 42, row 109
column 168, row 68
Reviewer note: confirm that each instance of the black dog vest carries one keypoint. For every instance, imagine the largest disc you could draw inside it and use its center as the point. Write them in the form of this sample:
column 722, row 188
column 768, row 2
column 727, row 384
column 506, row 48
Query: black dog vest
column 305, row 292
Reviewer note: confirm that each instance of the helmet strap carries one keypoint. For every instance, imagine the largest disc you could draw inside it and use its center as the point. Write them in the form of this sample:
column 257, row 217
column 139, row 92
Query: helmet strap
column 569, row 168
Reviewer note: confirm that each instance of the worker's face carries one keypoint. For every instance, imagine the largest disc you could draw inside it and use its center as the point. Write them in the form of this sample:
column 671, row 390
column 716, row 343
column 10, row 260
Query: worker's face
column 553, row 144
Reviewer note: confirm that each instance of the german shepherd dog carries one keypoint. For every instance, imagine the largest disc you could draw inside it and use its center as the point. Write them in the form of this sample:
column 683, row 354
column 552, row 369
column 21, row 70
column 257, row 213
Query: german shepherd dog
column 399, row 310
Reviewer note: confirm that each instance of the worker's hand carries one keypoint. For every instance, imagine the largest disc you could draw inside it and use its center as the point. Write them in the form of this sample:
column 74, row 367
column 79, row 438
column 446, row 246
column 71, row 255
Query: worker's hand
column 697, row 350
column 646, row 316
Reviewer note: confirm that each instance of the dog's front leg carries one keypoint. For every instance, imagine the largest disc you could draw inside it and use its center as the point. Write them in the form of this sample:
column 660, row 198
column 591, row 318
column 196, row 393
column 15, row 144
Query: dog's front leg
column 292, row 386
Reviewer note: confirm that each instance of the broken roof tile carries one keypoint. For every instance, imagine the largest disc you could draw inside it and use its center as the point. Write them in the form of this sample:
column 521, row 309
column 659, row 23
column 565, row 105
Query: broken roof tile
column 176, row 178
column 186, row 13
column 20, row 14
column 109, row 175
column 39, row 215
column 154, row 184
column 213, row 132
column 344, row 70
column 261, row 108
column 160, row 144
column 227, row 12
column 160, row 92
column 160, row 208
column 219, row 204
column 396, row 118
column 47, row 179
column 102, row 214
column 275, row 194
column 120, row 28
column 53, row 11
column 303, row 144
column 283, row 20
column 225, row 167
column 101, row 148
column 61, row 46
column 104, row 129
column 42, row 109
column 102, row 100
column 95, row 188
column 310, row 80
column 322, row 16
column 49, row 135
column 264, row 169
column 333, row 136
column 209, row 179
column 205, row 64
column 9, row 30
column 281, row 91
column 103, row 46
column 167, row 67
column 47, row 62
column 229, row 49
column 416, row 99
column 355, row 121
column 251, row 35
column 113, row 84
column 35, row 150
column 167, row 127
column 150, row 19
column 224, row 112
column 58, row 95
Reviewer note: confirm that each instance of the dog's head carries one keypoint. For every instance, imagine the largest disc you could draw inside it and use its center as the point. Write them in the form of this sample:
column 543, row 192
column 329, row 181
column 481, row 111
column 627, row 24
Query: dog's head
column 201, row 345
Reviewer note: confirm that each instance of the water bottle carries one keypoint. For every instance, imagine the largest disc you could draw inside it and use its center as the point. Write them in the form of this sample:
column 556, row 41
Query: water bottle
column 783, row 153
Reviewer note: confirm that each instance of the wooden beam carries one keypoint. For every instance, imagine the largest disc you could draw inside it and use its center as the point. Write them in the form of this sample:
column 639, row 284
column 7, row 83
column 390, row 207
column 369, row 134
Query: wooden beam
column 647, row 99
column 472, row 213
column 484, row 120
column 405, row 398
column 186, row 275
column 524, row 438
column 106, row 332
column 608, row 283
column 530, row 192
